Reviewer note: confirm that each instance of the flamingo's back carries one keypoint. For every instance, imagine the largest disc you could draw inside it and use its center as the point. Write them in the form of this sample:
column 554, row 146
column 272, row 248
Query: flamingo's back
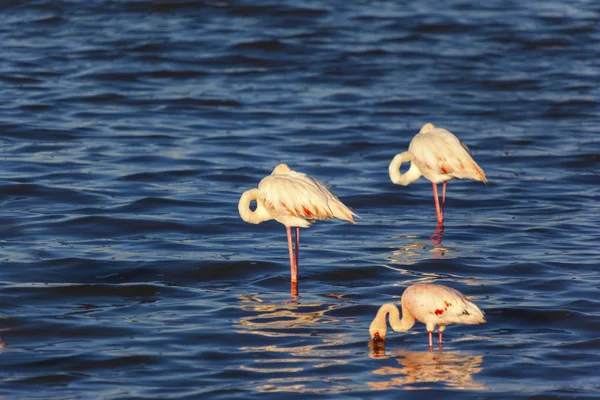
column 295, row 199
column 440, row 156
column 440, row 305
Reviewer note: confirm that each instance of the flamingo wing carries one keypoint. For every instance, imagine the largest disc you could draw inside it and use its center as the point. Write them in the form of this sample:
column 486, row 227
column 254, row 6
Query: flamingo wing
column 443, row 153
column 294, row 195
column 439, row 304
column 464, row 145
column 335, row 205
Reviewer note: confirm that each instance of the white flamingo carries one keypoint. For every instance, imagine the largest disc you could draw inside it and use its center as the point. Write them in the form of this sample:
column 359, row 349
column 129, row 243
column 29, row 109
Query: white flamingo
column 295, row 200
column 433, row 305
column 439, row 156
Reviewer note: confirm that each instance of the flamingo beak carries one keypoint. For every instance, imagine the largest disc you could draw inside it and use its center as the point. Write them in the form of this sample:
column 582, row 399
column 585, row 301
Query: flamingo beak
column 377, row 338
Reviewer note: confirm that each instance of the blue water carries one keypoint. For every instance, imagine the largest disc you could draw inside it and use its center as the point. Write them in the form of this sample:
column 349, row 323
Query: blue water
column 129, row 130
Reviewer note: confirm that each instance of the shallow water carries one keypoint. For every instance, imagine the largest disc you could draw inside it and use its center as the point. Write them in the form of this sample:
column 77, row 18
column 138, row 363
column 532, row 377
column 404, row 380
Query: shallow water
column 130, row 129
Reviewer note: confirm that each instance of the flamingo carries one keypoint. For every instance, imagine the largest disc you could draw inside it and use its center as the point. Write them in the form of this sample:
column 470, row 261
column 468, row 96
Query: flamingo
column 432, row 305
column 439, row 156
column 295, row 200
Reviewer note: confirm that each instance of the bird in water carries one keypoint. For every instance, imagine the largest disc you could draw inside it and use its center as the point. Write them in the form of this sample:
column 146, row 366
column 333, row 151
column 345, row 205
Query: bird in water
column 295, row 200
column 432, row 305
column 439, row 156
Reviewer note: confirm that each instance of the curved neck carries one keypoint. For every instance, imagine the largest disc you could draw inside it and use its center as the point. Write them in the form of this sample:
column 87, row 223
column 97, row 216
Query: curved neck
column 254, row 217
column 397, row 324
column 410, row 176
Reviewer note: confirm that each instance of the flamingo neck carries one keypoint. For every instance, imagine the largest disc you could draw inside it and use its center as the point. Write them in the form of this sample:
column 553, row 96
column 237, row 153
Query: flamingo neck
column 407, row 178
column 254, row 217
column 397, row 324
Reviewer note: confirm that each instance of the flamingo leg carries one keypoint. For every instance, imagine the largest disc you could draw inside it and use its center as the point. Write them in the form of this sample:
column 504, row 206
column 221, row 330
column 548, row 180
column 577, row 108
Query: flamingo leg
column 443, row 197
column 430, row 341
column 297, row 247
column 440, row 217
column 294, row 292
column 293, row 267
column 440, row 338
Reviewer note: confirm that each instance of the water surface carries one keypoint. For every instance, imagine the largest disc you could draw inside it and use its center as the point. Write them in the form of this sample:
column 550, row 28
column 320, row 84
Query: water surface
column 129, row 129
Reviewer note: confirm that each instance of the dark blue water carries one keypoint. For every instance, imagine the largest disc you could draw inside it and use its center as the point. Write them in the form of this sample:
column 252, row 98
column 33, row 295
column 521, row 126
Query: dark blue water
column 129, row 129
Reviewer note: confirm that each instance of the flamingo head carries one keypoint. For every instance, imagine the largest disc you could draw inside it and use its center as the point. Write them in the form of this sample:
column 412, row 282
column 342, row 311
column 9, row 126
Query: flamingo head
column 377, row 330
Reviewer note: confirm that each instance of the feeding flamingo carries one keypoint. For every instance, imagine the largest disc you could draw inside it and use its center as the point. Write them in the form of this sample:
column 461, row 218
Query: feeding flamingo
column 295, row 200
column 433, row 305
column 439, row 156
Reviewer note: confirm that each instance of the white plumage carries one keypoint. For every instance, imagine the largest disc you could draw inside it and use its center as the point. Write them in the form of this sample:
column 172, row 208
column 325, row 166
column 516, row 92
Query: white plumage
column 295, row 200
column 439, row 156
column 432, row 305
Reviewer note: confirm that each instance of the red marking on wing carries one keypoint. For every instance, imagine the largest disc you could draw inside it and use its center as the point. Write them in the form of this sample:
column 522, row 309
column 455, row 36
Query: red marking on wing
column 446, row 169
column 292, row 211
column 439, row 312
column 307, row 212
column 447, row 304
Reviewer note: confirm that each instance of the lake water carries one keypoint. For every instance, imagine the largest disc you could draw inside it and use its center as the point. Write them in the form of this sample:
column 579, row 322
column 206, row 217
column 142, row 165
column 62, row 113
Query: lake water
column 129, row 130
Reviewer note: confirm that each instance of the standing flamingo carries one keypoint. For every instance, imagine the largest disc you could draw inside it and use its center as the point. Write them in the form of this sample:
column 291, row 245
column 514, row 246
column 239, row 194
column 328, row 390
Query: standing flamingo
column 293, row 199
column 430, row 304
column 439, row 156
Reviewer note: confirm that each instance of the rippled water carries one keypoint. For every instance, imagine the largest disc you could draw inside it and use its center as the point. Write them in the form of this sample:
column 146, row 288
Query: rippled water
column 130, row 128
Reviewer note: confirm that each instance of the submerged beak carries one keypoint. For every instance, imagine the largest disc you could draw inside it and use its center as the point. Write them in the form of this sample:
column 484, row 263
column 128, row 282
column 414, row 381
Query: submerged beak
column 377, row 338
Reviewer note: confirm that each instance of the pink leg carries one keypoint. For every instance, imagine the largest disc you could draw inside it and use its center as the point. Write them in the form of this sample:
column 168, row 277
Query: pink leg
column 440, row 339
column 430, row 342
column 297, row 246
column 294, row 291
column 440, row 217
column 293, row 268
column 443, row 198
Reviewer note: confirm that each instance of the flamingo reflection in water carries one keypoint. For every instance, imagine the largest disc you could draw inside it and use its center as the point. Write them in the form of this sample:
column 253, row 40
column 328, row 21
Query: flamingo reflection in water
column 295, row 200
column 456, row 370
column 436, row 240
column 285, row 347
column 439, row 156
column 430, row 304
column 412, row 248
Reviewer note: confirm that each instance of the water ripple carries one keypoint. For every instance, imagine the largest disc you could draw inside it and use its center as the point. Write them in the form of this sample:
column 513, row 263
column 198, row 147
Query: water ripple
column 131, row 128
